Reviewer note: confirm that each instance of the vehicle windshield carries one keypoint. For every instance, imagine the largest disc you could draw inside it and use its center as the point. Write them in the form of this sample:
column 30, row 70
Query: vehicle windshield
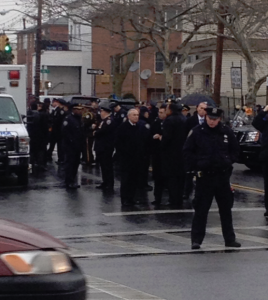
column 8, row 111
column 241, row 118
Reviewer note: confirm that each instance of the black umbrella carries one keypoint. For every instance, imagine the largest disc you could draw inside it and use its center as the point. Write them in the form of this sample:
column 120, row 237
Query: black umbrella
column 196, row 98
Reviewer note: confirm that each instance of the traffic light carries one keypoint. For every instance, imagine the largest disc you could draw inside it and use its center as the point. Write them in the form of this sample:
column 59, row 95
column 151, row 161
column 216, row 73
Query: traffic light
column 8, row 48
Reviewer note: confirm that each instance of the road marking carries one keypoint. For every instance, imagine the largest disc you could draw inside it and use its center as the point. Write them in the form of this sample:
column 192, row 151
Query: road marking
column 179, row 239
column 174, row 211
column 127, row 245
column 117, row 290
column 146, row 232
column 220, row 249
column 241, row 236
column 241, row 187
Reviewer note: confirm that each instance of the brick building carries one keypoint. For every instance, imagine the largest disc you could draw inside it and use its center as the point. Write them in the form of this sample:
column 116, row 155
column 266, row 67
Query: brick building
column 54, row 37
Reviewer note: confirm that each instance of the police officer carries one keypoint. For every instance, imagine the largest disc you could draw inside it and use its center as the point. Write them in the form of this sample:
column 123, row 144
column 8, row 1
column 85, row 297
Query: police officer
column 104, row 146
column 119, row 113
column 72, row 137
column 156, row 135
column 260, row 122
column 172, row 162
column 209, row 151
column 57, row 116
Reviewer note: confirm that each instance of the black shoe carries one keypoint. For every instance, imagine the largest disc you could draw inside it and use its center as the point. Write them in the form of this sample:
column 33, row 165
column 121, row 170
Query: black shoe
column 100, row 186
column 148, row 188
column 195, row 246
column 128, row 203
column 73, row 186
column 233, row 244
column 266, row 214
column 59, row 162
column 156, row 202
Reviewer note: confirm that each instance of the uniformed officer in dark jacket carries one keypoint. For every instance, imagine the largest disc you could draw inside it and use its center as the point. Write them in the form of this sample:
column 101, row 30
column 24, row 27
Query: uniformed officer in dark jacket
column 260, row 122
column 72, row 137
column 197, row 118
column 156, row 136
column 57, row 116
column 130, row 146
column 209, row 151
column 104, row 146
column 172, row 142
column 119, row 113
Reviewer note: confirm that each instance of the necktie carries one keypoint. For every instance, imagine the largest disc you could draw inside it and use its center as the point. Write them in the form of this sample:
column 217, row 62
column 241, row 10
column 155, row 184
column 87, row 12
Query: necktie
column 201, row 121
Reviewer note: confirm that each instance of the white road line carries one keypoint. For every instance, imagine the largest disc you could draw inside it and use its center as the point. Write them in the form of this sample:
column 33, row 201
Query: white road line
column 245, row 237
column 145, row 232
column 128, row 245
column 179, row 239
column 117, row 290
column 174, row 211
column 173, row 252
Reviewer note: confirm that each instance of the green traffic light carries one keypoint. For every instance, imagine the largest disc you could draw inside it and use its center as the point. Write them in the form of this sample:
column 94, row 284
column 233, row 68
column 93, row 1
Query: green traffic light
column 8, row 49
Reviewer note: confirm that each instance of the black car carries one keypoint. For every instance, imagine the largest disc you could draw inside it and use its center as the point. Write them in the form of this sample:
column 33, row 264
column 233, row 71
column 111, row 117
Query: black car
column 248, row 138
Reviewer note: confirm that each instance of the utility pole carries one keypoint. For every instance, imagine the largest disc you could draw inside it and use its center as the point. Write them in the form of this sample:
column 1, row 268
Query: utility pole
column 38, row 51
column 218, row 66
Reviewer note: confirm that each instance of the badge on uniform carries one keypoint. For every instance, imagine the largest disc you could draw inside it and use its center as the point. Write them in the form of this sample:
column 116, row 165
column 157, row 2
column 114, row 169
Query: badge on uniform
column 61, row 112
column 147, row 126
column 108, row 122
column 122, row 116
column 225, row 138
column 65, row 123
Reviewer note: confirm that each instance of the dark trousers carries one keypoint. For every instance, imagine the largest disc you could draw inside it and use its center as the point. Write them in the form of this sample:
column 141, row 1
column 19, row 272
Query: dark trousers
column 265, row 177
column 72, row 161
column 87, row 154
column 56, row 139
column 207, row 187
column 128, row 184
column 175, row 189
column 159, row 180
column 106, row 163
column 188, row 184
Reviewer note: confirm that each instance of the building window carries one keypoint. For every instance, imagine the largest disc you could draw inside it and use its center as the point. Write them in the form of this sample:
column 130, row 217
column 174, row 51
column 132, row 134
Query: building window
column 175, row 56
column 206, row 82
column 171, row 20
column 25, row 41
column 189, row 79
column 159, row 62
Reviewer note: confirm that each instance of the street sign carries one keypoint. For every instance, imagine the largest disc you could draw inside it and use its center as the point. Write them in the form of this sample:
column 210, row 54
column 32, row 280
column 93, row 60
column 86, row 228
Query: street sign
column 95, row 71
column 44, row 71
column 236, row 78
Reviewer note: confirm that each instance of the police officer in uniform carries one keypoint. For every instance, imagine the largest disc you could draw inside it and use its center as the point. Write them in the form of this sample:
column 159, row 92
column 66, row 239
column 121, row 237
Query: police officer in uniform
column 260, row 122
column 104, row 147
column 72, row 137
column 156, row 135
column 119, row 113
column 209, row 151
column 57, row 116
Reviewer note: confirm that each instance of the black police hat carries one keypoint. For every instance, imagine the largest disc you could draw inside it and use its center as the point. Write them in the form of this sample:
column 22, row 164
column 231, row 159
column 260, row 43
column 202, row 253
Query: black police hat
column 214, row 112
column 105, row 106
column 114, row 104
column 185, row 107
column 75, row 106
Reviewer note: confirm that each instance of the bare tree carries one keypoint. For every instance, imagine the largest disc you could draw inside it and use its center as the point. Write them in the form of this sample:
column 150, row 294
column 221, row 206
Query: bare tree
column 244, row 21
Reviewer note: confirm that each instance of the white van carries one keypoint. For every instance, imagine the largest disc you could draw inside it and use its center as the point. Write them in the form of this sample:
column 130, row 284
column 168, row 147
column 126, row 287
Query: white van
column 14, row 141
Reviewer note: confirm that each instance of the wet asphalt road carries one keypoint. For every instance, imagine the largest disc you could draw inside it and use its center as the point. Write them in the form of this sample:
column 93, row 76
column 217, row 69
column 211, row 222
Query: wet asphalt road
column 142, row 253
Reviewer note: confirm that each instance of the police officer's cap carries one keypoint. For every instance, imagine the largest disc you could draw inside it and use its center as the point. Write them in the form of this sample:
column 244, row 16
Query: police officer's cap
column 170, row 101
column 95, row 100
column 62, row 101
column 105, row 106
column 214, row 112
column 56, row 99
column 113, row 104
column 75, row 106
column 185, row 107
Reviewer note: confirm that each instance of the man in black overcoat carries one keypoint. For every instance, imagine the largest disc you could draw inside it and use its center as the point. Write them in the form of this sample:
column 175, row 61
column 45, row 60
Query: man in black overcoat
column 172, row 142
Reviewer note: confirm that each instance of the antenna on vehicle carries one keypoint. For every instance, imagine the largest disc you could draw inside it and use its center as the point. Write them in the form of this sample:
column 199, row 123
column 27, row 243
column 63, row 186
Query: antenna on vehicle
column 145, row 74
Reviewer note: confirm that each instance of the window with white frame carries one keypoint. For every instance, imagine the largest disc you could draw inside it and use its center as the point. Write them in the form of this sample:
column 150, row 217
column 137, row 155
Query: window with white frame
column 172, row 21
column 189, row 79
column 25, row 41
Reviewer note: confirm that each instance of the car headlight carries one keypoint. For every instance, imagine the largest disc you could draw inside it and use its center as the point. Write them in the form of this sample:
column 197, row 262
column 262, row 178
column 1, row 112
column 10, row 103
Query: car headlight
column 37, row 262
column 24, row 144
column 252, row 136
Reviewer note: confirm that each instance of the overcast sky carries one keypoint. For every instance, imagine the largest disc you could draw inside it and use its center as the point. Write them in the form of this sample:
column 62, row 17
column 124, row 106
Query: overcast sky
column 12, row 21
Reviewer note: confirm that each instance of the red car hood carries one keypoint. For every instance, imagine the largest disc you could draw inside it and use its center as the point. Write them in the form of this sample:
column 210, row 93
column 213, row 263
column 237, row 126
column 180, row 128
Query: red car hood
column 25, row 237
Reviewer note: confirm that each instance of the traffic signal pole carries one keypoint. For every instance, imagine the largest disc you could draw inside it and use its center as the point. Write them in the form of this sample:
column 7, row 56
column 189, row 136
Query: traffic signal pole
column 38, row 51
